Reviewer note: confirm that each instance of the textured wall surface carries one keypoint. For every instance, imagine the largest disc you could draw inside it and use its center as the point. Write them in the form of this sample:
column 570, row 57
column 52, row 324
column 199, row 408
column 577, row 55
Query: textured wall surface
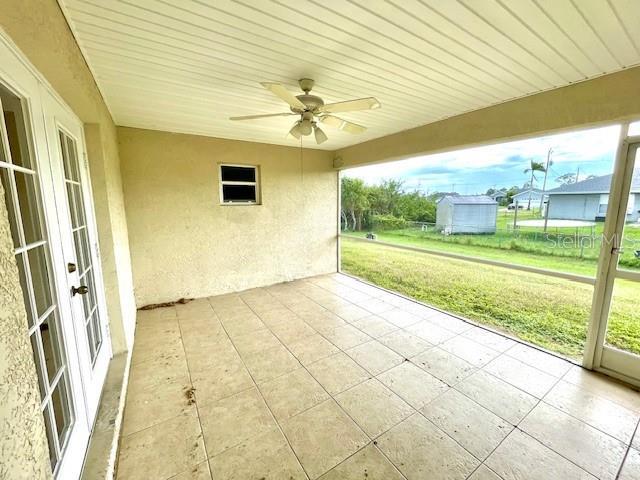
column 185, row 244
column 40, row 30
column 23, row 446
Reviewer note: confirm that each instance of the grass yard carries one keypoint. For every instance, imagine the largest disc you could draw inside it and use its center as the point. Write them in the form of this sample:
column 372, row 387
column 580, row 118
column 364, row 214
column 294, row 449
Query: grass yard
column 529, row 247
column 546, row 311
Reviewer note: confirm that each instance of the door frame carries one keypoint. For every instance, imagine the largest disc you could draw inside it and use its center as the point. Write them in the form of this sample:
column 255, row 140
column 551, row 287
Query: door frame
column 598, row 356
column 21, row 77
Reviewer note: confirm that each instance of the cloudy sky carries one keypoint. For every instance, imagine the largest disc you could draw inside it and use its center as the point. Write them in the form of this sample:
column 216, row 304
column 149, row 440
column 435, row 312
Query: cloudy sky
column 474, row 170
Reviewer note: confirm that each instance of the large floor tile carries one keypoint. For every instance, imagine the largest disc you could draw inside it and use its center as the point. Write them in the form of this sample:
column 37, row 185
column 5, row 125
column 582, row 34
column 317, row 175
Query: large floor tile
column 541, row 360
column 430, row 332
column 471, row 425
column 404, row 343
column 199, row 472
column 374, row 326
column 449, row 322
column 597, row 411
column 367, row 464
column 161, row 451
column 489, row 339
column 444, row 365
column 631, row 468
column 592, row 450
column 531, row 380
column 420, row 450
column 271, row 363
column 412, row 384
column 472, row 352
column 232, row 420
column 220, row 380
column 376, row 306
column 399, row 317
column 605, row 387
column 292, row 331
column 338, row 373
column 312, row 348
column 255, row 342
column 151, row 406
column 351, row 313
column 374, row 407
column 374, row 357
column 346, row 337
column 499, row 397
column 484, row 473
column 292, row 393
column 323, row 436
column 265, row 457
column 521, row 457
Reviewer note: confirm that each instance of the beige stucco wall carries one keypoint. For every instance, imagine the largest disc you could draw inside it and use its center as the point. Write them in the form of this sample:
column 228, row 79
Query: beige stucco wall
column 599, row 101
column 23, row 445
column 185, row 244
column 39, row 29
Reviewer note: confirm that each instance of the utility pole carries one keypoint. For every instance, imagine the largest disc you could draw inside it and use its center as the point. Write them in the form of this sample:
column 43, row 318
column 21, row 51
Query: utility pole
column 578, row 175
column 546, row 172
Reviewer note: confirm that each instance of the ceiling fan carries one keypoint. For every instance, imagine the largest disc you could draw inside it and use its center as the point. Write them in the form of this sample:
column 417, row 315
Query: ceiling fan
column 311, row 109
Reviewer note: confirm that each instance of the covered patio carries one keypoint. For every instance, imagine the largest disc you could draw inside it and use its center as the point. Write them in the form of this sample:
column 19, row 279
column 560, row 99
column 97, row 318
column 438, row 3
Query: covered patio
column 172, row 304
column 333, row 378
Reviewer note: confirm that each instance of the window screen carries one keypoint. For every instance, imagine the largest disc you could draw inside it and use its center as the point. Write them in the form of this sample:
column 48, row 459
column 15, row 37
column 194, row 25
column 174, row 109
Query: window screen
column 238, row 184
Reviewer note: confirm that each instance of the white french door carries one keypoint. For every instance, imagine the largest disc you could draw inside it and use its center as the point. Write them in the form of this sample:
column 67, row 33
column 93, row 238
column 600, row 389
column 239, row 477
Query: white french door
column 49, row 203
column 618, row 279
column 76, row 223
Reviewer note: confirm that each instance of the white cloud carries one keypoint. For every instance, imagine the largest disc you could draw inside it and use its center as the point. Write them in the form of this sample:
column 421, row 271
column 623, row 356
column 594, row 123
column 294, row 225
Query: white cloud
column 582, row 146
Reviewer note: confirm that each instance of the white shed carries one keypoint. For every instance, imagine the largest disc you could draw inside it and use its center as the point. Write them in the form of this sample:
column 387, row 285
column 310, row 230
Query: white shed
column 467, row 214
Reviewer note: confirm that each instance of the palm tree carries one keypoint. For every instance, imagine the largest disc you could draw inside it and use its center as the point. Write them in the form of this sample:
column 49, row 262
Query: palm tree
column 533, row 168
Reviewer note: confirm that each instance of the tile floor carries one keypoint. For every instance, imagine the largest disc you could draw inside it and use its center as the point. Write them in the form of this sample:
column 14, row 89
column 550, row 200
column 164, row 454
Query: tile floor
column 331, row 378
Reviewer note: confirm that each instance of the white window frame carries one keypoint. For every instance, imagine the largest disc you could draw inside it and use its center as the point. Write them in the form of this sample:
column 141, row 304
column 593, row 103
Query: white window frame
column 222, row 183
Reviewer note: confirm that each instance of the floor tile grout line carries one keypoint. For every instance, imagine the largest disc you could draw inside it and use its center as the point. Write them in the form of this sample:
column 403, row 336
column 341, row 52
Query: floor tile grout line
column 626, row 453
column 458, row 334
column 347, row 414
column 514, row 426
column 262, row 396
column 204, row 444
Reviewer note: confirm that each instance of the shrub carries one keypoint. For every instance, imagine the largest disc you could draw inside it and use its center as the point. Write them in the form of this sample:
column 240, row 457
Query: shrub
column 388, row 222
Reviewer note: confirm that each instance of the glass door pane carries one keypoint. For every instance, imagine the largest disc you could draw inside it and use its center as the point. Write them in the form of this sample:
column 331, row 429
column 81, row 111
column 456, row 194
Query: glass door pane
column 82, row 249
column 20, row 182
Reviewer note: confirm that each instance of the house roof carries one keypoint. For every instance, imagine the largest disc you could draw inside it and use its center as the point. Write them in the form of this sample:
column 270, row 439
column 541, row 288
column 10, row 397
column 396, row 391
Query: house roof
column 524, row 193
column 594, row 185
column 469, row 200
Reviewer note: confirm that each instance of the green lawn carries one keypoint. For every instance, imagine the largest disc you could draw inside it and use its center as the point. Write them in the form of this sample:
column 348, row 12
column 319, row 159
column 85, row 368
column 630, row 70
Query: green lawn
column 547, row 311
column 560, row 250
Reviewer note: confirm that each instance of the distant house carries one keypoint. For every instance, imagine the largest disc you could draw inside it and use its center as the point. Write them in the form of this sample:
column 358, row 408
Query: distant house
column 588, row 199
column 499, row 196
column 466, row 214
column 523, row 196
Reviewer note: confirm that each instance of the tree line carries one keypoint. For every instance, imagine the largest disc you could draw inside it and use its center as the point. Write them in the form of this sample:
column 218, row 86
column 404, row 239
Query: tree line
column 384, row 206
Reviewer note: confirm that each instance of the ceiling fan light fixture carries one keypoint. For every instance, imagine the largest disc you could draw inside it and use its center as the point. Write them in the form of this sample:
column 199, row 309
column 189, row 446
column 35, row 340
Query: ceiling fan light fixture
column 305, row 127
column 295, row 131
column 321, row 137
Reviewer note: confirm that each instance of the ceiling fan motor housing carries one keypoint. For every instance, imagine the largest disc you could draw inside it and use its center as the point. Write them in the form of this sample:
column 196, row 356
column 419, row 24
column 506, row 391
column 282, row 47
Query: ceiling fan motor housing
column 311, row 102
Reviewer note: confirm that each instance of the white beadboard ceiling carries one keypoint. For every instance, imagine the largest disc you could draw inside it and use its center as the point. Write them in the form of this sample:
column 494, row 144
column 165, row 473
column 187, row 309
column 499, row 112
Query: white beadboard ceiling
column 188, row 65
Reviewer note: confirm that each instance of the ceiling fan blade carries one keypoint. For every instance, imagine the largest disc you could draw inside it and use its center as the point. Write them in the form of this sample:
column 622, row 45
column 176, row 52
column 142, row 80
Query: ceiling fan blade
column 368, row 103
column 284, row 94
column 341, row 124
column 252, row 117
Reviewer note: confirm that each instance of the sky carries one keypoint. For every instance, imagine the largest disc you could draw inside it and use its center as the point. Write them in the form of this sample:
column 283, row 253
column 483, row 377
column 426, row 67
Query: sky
column 474, row 170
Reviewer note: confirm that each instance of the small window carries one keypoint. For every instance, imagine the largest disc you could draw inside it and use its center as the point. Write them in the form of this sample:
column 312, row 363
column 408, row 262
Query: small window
column 239, row 184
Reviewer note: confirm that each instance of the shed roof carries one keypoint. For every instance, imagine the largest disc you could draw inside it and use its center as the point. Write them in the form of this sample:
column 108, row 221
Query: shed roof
column 595, row 185
column 469, row 200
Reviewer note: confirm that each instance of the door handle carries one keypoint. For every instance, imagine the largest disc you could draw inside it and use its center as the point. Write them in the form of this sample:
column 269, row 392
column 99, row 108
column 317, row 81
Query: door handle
column 82, row 290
